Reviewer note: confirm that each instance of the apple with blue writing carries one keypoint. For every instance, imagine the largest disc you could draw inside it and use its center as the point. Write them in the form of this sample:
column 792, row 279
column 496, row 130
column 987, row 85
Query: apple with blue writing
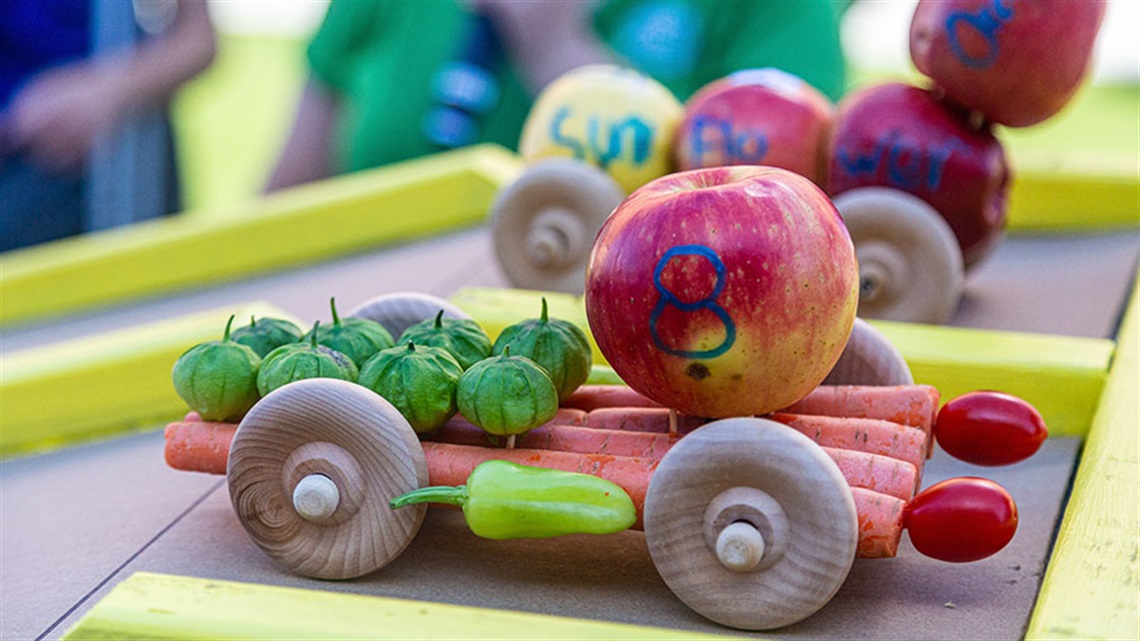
column 726, row 291
column 1018, row 62
column 612, row 117
column 901, row 136
column 757, row 117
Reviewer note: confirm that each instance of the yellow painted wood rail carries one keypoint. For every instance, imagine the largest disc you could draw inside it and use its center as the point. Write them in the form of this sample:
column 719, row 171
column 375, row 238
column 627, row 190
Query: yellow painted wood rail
column 156, row 606
column 343, row 215
column 1091, row 588
column 105, row 383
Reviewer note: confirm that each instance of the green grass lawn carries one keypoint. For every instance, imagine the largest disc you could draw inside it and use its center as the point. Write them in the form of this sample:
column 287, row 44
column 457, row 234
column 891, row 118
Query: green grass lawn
column 232, row 122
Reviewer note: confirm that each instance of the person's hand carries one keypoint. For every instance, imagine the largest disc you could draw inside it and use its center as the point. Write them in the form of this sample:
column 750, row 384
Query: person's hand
column 56, row 118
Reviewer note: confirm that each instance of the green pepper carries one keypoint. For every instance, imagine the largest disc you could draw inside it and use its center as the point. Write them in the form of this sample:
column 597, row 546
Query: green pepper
column 463, row 338
column 218, row 379
column 263, row 335
column 558, row 346
column 356, row 338
column 505, row 500
column 297, row 361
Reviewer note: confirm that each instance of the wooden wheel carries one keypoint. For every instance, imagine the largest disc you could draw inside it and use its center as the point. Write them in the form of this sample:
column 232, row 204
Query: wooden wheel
column 750, row 523
column 543, row 225
column 311, row 470
column 400, row 310
column 869, row 359
column 910, row 266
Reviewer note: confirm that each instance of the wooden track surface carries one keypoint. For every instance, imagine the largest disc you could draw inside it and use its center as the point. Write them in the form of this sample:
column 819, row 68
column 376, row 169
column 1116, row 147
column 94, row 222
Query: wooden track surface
column 79, row 521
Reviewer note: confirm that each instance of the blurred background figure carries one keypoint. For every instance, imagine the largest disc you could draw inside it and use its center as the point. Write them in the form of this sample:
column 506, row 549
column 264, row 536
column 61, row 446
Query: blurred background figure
column 389, row 81
column 84, row 85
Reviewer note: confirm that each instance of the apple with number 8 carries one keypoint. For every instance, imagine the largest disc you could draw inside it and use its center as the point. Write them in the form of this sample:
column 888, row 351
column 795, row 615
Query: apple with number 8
column 727, row 291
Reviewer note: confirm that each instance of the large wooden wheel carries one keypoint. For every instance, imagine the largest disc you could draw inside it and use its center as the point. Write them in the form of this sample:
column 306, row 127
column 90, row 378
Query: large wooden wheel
column 869, row 359
column 543, row 225
column 910, row 266
column 311, row 470
column 750, row 523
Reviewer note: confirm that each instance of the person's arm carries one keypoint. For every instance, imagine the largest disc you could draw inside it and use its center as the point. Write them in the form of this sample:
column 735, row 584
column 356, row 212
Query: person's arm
column 307, row 155
column 58, row 115
column 546, row 39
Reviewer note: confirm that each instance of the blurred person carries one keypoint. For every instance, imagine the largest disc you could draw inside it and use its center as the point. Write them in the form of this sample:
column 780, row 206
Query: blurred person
column 60, row 95
column 379, row 71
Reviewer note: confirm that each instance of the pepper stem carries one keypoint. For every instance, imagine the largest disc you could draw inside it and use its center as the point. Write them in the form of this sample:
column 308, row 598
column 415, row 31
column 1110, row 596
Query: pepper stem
column 439, row 319
column 316, row 326
column 229, row 323
column 332, row 306
column 545, row 317
column 451, row 495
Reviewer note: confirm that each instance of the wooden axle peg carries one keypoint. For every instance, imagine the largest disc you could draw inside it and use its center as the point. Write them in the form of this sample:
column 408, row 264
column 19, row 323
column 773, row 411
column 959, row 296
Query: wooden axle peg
column 316, row 497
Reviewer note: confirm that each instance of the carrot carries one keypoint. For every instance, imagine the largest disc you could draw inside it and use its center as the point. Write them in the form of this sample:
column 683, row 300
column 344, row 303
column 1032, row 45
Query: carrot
column 199, row 446
column 640, row 419
column 591, row 397
column 204, row 447
column 913, row 405
column 870, row 471
column 880, row 523
column 861, row 434
column 566, row 438
column 564, row 416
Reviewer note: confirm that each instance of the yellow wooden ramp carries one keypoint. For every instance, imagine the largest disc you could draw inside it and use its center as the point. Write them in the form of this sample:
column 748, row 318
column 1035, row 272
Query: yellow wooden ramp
column 156, row 606
column 307, row 224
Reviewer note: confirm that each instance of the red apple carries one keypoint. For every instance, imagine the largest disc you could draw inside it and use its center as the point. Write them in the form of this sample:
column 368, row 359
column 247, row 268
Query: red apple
column 896, row 135
column 757, row 117
column 1017, row 61
column 726, row 291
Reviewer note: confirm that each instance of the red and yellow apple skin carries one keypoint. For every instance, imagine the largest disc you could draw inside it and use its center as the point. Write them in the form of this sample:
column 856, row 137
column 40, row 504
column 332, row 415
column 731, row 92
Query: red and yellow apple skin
column 757, row 117
column 720, row 292
column 1016, row 61
column 901, row 136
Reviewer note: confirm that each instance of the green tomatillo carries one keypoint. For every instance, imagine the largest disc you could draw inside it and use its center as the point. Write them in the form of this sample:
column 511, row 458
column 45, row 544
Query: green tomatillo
column 505, row 500
column 507, row 395
column 559, row 346
column 419, row 380
column 218, row 379
column 306, row 359
column 463, row 338
column 357, row 338
column 263, row 335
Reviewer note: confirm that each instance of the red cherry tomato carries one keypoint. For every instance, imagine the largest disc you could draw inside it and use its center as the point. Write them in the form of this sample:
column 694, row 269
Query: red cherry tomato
column 990, row 428
column 961, row 519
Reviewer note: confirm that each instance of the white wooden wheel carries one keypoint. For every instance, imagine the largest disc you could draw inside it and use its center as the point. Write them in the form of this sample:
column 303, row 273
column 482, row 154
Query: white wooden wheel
column 910, row 266
column 543, row 225
column 869, row 359
column 750, row 523
column 311, row 470
column 400, row 310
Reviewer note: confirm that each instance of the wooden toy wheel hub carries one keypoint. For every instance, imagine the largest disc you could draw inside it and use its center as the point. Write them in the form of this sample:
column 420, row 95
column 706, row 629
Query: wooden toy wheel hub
column 312, row 468
column 556, row 239
column 747, row 529
column 750, row 523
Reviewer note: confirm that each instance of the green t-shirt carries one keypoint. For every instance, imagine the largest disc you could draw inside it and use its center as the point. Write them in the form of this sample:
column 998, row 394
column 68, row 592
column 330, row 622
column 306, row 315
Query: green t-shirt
column 380, row 58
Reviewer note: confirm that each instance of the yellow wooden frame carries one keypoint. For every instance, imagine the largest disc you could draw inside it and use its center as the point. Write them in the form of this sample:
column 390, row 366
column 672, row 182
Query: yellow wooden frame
column 113, row 381
column 313, row 222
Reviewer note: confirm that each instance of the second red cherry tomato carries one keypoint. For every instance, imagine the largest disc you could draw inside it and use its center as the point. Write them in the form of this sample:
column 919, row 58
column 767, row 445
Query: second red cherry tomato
column 990, row 428
column 961, row 519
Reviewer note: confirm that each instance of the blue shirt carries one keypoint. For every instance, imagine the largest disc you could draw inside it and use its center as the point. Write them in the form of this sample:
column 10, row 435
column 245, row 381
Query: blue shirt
column 39, row 34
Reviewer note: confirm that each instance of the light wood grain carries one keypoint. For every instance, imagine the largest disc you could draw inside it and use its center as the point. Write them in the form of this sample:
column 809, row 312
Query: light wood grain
column 400, row 310
column 869, row 359
column 543, row 224
column 754, row 471
column 352, row 436
column 910, row 266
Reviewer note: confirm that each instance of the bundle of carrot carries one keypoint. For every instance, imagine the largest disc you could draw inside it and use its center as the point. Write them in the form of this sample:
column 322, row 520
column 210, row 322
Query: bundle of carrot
column 878, row 436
